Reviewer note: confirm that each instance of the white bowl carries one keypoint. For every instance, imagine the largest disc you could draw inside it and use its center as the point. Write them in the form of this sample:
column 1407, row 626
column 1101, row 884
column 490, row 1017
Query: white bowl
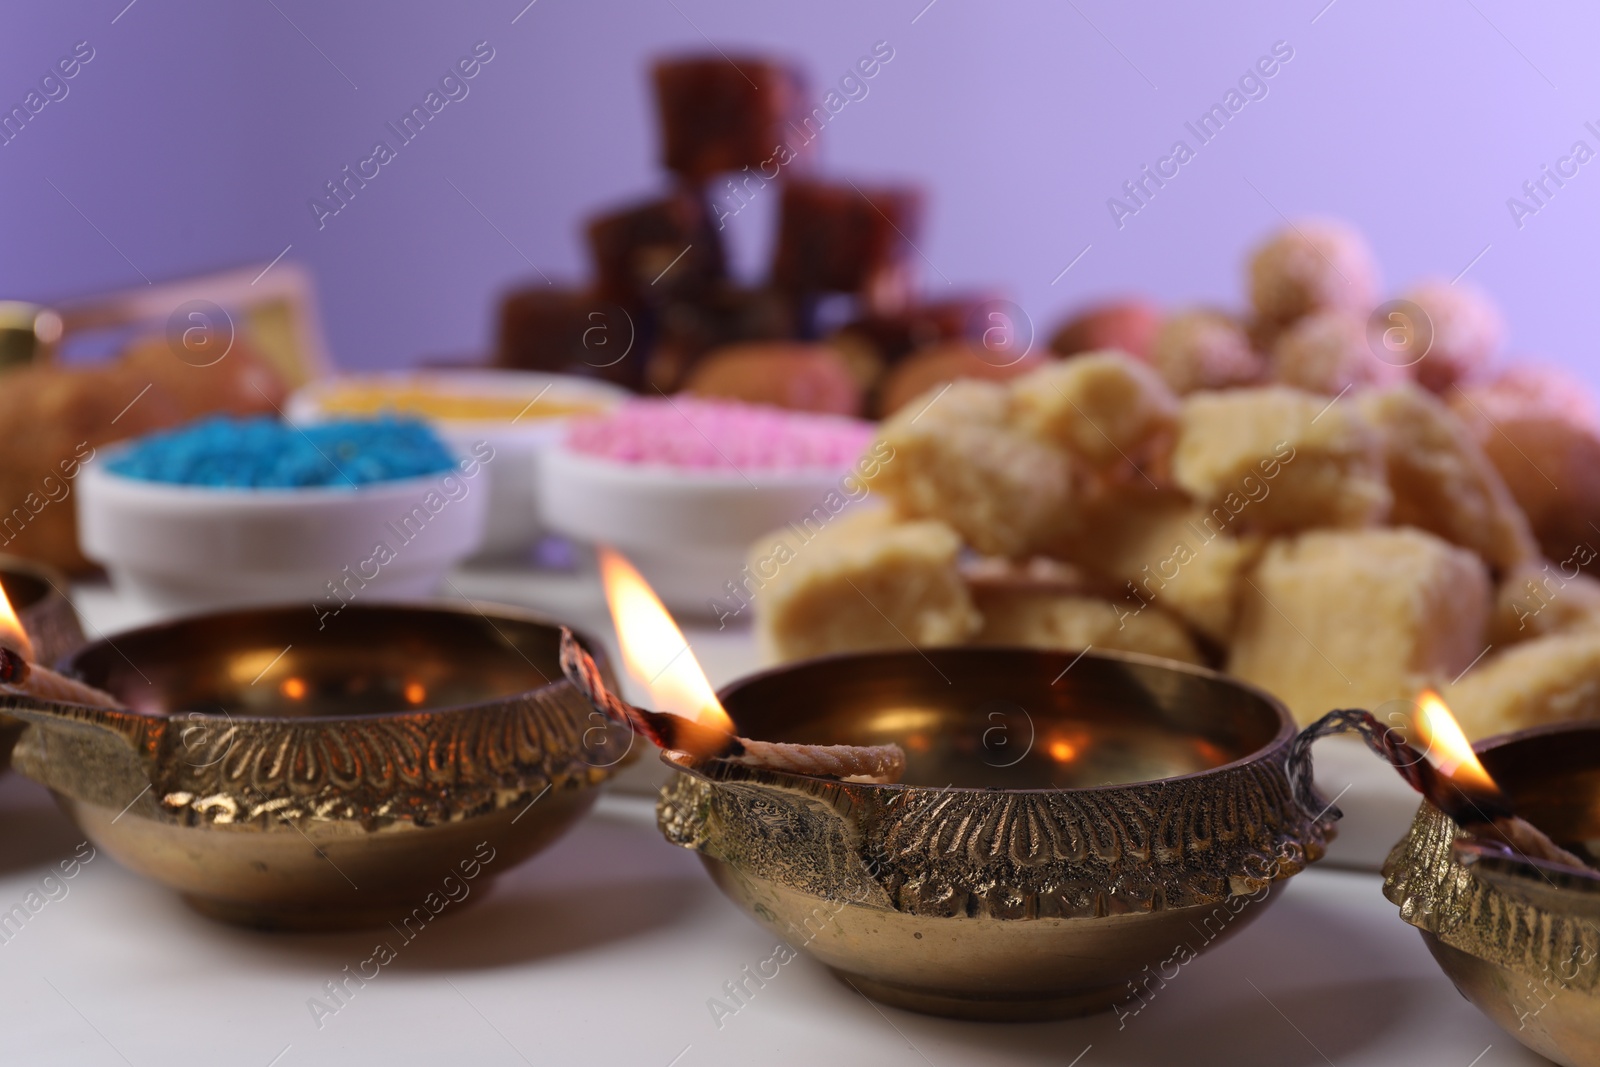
column 514, row 523
column 182, row 548
column 688, row 531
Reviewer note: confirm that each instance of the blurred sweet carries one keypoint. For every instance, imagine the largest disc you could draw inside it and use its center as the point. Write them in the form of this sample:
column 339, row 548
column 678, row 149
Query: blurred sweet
column 1043, row 619
column 1105, row 407
column 785, row 374
column 720, row 113
column 1159, row 548
column 656, row 251
column 1357, row 618
column 263, row 453
column 1543, row 597
column 227, row 512
column 845, row 238
column 1309, row 266
column 518, row 414
column 1465, row 331
column 1204, row 349
column 1441, row 479
column 933, row 368
column 571, row 331
column 1128, row 325
column 725, row 315
column 53, row 419
column 1549, row 679
column 1327, row 352
column 1528, row 389
column 958, row 458
column 1547, row 453
column 1281, row 460
column 684, row 485
column 866, row 581
column 872, row 344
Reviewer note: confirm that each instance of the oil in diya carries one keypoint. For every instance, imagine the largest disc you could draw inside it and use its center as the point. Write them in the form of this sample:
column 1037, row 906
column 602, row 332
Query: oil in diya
column 1147, row 799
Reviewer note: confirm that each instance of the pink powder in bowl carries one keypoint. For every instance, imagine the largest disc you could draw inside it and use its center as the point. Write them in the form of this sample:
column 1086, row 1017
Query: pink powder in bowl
column 720, row 435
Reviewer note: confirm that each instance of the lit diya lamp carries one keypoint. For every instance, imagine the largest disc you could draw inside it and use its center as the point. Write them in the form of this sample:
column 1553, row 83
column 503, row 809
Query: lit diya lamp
column 692, row 725
column 1512, row 918
column 1453, row 780
column 978, row 832
column 283, row 774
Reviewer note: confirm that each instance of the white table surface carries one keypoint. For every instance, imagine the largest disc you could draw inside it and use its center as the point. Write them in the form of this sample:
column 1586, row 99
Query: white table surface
column 607, row 948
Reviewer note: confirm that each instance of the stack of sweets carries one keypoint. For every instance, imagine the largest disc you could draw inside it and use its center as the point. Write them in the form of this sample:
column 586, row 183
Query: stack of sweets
column 729, row 128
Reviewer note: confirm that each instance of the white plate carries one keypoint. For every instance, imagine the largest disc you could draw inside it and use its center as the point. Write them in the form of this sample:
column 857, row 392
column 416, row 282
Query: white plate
column 687, row 531
column 188, row 548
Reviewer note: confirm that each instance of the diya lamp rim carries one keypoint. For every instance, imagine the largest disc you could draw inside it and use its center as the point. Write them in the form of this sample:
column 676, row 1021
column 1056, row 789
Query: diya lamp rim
column 1493, row 742
column 504, row 612
column 1288, row 728
column 23, row 566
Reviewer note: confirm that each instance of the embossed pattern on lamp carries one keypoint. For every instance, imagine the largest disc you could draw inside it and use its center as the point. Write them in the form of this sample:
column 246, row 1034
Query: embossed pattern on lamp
column 1150, row 795
column 285, row 777
column 1521, row 942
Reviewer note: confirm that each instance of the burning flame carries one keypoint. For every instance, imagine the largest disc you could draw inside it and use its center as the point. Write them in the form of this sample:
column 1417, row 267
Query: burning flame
column 1442, row 737
column 12, row 635
column 654, row 650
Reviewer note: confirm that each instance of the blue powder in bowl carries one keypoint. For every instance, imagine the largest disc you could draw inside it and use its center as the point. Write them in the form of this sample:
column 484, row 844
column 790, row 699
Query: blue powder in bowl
column 264, row 453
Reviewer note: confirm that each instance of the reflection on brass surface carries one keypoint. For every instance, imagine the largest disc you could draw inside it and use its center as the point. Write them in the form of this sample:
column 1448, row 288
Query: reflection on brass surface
column 38, row 595
column 1028, row 873
column 285, row 776
column 1528, row 954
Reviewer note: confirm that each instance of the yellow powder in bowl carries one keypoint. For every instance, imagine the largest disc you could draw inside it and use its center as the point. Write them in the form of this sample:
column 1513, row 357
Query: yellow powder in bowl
column 441, row 402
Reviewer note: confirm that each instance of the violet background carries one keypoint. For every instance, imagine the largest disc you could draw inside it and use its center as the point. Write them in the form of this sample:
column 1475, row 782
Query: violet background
column 199, row 131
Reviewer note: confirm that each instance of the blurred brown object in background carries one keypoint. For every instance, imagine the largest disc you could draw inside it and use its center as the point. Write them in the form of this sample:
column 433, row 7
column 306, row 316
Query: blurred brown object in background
column 655, row 251
column 722, row 113
column 1465, row 330
column 571, row 331
column 1539, row 431
column 1308, row 266
column 785, row 374
column 28, row 333
column 1328, row 352
column 839, row 238
column 1202, row 348
column 725, row 315
column 944, row 363
column 872, row 344
column 1128, row 324
column 53, row 420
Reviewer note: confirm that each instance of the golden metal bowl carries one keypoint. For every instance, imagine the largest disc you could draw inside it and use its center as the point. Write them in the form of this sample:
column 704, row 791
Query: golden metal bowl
column 1068, row 832
column 1523, row 947
column 36, row 594
column 281, row 775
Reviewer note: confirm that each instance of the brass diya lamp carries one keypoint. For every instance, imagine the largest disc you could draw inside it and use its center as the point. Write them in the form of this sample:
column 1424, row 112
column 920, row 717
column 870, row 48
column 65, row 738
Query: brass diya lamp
column 46, row 616
column 1518, row 933
column 1060, row 825
column 285, row 776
